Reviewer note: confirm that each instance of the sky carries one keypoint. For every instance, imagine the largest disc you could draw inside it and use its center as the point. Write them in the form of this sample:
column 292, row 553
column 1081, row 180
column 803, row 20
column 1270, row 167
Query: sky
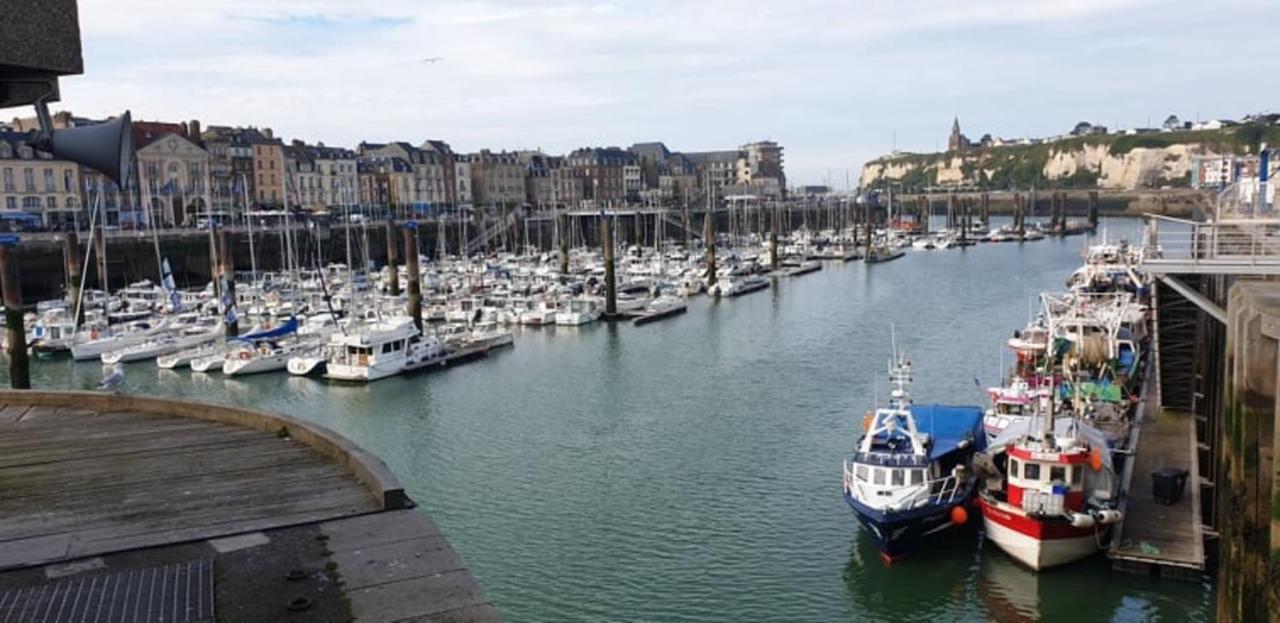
column 836, row 83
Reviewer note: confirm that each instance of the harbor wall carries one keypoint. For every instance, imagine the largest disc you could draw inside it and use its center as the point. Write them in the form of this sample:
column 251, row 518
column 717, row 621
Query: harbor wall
column 1248, row 503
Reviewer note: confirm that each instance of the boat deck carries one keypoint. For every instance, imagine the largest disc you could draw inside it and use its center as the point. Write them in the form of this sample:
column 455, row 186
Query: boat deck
column 1154, row 538
column 125, row 502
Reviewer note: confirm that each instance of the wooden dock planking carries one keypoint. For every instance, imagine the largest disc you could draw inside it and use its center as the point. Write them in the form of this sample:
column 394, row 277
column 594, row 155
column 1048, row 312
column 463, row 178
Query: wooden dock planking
column 74, row 483
column 1167, row 537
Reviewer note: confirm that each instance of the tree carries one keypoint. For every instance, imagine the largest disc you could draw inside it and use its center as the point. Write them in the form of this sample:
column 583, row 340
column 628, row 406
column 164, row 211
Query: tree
column 1082, row 128
column 1172, row 122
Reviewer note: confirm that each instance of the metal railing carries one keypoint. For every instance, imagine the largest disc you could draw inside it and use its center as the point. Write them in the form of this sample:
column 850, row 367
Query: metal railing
column 1251, row 241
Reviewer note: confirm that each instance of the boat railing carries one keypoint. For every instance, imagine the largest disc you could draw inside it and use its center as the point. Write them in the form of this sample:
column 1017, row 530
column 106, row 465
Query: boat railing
column 945, row 490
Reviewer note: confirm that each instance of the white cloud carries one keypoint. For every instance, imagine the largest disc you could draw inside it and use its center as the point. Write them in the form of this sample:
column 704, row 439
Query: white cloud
column 830, row 80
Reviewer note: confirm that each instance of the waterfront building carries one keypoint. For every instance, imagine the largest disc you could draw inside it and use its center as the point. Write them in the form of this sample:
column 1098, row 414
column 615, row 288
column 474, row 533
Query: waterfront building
column 173, row 171
column 550, row 183
column 1217, row 171
column 34, row 186
column 230, row 165
column 447, row 159
column 431, row 169
column 301, row 180
column 462, row 196
column 716, row 170
column 602, row 173
column 497, row 178
column 385, row 182
column 268, row 168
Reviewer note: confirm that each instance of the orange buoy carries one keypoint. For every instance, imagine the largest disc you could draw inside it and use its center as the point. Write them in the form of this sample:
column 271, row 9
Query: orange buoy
column 959, row 515
column 1095, row 459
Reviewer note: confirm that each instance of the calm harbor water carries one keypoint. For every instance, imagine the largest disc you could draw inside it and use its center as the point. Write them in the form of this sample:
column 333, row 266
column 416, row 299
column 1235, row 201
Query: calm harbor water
column 689, row 470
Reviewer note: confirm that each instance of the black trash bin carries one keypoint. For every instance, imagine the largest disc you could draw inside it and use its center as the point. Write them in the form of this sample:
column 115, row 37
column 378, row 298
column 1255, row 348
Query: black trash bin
column 1167, row 484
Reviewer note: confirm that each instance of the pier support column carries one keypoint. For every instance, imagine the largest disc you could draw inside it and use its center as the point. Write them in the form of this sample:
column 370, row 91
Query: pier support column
column 610, row 285
column 1248, row 485
column 11, row 290
column 392, row 263
column 965, row 214
column 1019, row 215
column 71, row 260
column 986, row 209
column 227, row 273
column 410, row 234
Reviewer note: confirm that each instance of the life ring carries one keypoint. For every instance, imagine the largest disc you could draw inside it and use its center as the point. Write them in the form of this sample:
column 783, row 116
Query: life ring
column 244, row 355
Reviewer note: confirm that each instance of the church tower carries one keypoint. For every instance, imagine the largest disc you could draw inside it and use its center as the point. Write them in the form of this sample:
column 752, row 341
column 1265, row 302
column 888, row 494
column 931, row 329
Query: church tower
column 957, row 141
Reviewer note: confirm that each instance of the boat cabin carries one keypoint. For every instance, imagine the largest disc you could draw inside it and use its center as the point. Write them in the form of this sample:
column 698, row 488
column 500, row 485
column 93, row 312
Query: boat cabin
column 1047, row 483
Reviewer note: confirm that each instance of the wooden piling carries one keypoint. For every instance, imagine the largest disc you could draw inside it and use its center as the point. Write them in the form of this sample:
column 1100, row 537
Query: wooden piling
column 227, row 270
column 71, row 260
column 773, row 241
column 1019, row 215
column 1093, row 210
column 100, row 249
column 964, row 221
column 392, row 247
column 986, row 209
column 610, row 285
column 11, row 287
column 410, row 237
column 709, row 238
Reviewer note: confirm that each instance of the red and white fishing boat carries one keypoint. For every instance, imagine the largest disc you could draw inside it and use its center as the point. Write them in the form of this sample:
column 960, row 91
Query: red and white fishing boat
column 1054, row 504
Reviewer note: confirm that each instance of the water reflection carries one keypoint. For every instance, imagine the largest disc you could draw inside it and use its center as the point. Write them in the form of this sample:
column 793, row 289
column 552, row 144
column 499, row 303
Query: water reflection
column 930, row 585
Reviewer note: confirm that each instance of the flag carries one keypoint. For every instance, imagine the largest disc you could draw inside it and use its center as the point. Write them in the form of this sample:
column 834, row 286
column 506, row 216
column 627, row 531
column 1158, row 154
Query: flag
column 166, row 282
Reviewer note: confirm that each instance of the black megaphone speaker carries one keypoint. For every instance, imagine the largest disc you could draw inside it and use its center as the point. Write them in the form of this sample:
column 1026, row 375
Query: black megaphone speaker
column 106, row 147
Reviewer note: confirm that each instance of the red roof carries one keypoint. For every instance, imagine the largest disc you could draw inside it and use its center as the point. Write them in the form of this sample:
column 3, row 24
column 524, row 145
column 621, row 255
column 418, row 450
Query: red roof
column 147, row 132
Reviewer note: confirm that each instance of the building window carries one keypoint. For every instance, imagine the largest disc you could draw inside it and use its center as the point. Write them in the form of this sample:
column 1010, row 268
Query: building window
column 10, row 203
column 51, row 203
column 29, row 180
column 30, row 203
column 8, row 179
column 48, row 181
column 68, row 183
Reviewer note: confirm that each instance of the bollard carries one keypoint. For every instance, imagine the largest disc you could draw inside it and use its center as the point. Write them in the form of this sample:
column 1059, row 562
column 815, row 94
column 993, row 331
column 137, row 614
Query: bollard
column 392, row 267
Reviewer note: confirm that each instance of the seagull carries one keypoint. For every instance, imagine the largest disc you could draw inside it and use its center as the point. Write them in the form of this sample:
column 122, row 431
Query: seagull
column 112, row 377
column 432, row 59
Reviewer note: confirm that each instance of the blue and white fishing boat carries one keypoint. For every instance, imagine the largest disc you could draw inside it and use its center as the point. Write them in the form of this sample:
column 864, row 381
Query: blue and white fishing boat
column 910, row 477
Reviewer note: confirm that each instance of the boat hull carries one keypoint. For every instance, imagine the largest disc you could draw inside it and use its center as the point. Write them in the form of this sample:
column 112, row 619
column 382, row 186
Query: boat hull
column 1038, row 543
column 905, row 533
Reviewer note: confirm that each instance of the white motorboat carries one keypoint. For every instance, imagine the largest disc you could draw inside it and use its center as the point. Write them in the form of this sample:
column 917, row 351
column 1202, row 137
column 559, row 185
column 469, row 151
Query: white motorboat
column 94, row 342
column 380, row 350
column 580, row 311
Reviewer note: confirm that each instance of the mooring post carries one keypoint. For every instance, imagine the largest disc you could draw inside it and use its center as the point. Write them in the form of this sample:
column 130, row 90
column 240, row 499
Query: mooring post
column 393, row 283
column 563, row 225
column 1093, row 210
column 100, row 248
column 410, row 235
column 966, row 213
column 709, row 239
column 610, row 286
column 773, row 240
column 11, row 287
column 986, row 210
column 227, row 270
column 1019, row 215
column 71, row 259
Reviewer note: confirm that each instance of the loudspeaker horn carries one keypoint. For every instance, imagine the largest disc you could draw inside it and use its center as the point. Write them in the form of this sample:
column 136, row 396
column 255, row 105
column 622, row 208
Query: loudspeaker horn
column 106, row 147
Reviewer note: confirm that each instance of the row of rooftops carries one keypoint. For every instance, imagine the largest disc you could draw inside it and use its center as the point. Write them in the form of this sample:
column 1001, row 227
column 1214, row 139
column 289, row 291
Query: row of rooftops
column 396, row 155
